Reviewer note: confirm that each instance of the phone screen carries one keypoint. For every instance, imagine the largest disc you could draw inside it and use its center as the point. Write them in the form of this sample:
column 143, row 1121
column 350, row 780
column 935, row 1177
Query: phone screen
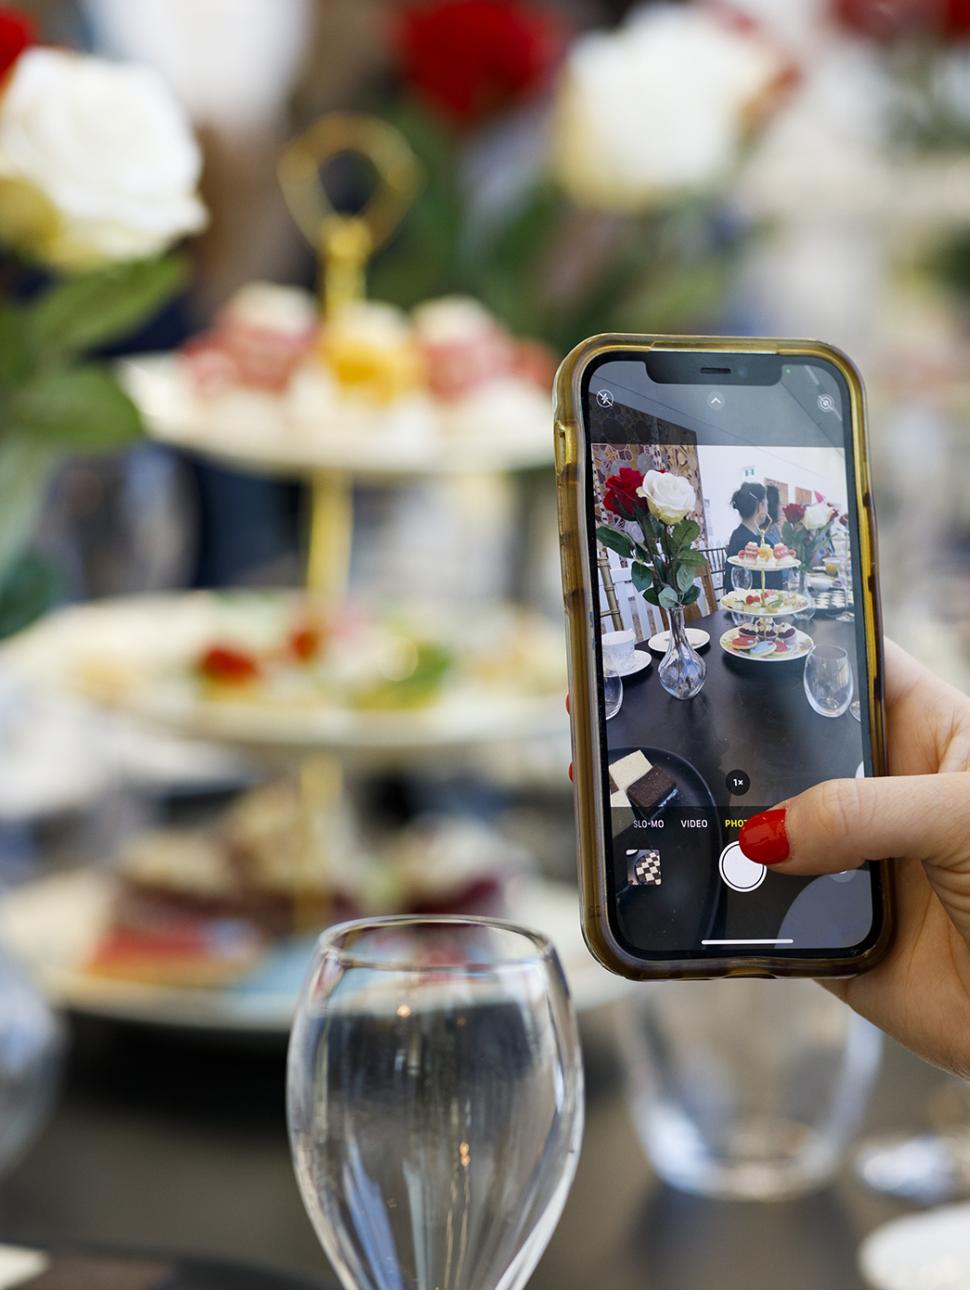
column 725, row 495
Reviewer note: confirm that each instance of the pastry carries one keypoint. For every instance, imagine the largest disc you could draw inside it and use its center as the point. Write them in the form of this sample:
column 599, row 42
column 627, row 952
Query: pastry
column 780, row 551
column 764, row 551
column 636, row 782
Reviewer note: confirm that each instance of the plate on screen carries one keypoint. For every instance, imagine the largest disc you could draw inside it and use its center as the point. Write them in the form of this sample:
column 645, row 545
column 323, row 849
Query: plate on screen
column 697, row 637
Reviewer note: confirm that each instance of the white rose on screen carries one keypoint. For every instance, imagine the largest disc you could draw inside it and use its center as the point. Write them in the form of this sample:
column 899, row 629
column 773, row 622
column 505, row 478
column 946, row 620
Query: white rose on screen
column 659, row 107
column 669, row 497
column 97, row 161
column 817, row 516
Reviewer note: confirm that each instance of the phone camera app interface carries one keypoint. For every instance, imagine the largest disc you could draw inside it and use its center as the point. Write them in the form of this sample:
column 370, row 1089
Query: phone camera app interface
column 733, row 668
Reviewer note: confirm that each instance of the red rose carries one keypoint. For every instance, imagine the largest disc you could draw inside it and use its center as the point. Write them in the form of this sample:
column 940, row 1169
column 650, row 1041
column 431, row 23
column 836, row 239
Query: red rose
column 794, row 512
column 17, row 31
column 620, row 492
column 469, row 59
column 956, row 17
column 890, row 19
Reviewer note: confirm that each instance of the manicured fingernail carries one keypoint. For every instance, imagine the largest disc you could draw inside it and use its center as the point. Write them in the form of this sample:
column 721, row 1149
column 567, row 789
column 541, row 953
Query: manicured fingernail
column 570, row 772
column 764, row 838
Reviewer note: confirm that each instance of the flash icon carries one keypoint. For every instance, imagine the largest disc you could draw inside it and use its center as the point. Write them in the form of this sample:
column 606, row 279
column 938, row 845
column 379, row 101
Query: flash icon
column 604, row 398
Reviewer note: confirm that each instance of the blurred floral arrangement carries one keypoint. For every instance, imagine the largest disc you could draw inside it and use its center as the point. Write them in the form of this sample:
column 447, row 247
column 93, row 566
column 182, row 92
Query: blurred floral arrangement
column 98, row 176
column 575, row 181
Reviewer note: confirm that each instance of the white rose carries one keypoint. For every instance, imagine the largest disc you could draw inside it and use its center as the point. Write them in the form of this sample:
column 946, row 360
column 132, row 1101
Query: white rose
column 817, row 516
column 658, row 107
column 97, row 161
column 669, row 497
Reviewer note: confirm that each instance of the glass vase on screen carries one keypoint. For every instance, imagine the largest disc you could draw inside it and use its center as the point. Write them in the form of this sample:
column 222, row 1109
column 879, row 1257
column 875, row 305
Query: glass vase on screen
column 682, row 670
column 435, row 1101
column 746, row 1089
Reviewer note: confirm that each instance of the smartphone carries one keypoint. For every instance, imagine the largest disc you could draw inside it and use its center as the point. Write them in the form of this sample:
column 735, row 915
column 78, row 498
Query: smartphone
column 719, row 577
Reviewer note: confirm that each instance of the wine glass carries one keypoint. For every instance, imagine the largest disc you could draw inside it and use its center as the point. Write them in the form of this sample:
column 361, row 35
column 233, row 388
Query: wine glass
column 612, row 693
column 435, row 1101
column 726, row 1107
column 828, row 680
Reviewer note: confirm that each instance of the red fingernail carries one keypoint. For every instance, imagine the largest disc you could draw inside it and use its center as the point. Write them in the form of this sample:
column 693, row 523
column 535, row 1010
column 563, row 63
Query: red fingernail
column 570, row 772
column 764, row 838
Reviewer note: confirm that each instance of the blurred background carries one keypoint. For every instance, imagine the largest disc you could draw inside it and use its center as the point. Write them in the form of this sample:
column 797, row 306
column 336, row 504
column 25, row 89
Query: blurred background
column 187, row 792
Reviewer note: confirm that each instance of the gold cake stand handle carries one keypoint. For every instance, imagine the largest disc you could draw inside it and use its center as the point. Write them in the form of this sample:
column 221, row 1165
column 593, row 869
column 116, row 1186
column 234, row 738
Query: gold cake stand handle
column 345, row 242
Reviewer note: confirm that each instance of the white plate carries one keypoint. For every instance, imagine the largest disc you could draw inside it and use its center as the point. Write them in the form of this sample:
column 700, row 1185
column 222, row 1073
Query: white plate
column 804, row 642
column 52, row 926
column 696, row 635
column 134, row 655
column 637, row 664
column 753, row 611
column 929, row 1251
column 507, row 429
column 766, row 566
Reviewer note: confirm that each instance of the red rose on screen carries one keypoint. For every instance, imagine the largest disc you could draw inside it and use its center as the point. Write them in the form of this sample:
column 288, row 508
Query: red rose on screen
column 794, row 512
column 17, row 31
column 620, row 492
column 470, row 59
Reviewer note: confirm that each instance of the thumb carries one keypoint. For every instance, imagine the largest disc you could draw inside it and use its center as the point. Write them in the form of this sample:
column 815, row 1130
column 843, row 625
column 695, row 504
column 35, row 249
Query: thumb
column 844, row 822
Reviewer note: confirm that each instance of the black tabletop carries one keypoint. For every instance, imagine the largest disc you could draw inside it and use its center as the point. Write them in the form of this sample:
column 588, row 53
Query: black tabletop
column 162, row 1144
column 751, row 716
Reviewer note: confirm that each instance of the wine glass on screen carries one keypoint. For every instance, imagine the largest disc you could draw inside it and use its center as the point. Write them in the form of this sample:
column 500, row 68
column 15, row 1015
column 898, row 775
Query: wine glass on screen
column 828, row 680
column 612, row 693
column 435, row 1101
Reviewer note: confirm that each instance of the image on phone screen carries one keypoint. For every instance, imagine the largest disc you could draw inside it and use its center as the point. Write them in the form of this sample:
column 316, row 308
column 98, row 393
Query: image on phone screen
column 741, row 482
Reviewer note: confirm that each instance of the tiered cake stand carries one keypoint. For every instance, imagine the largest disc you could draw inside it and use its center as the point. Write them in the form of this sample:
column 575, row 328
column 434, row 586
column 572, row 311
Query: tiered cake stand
column 794, row 604
column 131, row 654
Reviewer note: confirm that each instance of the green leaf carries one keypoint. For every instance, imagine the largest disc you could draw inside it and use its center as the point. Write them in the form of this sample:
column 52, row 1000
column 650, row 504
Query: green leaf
column 642, row 577
column 668, row 597
column 685, row 577
column 30, row 587
column 652, row 595
column 617, row 542
column 25, row 465
column 696, row 559
column 15, row 355
column 103, row 305
column 81, row 409
column 692, row 594
column 684, row 533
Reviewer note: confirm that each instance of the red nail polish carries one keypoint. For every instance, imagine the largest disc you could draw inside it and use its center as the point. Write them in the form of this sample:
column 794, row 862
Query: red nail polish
column 764, row 838
column 570, row 772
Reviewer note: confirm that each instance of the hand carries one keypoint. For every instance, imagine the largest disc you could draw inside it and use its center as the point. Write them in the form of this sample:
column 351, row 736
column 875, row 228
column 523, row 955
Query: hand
column 920, row 993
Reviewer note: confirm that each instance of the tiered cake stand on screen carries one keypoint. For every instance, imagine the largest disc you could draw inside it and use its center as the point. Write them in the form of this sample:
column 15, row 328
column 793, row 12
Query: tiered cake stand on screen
column 766, row 618
column 313, row 677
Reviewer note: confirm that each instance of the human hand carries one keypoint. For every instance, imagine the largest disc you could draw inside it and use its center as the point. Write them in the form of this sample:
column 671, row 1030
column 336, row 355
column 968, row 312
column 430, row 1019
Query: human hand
column 920, row 816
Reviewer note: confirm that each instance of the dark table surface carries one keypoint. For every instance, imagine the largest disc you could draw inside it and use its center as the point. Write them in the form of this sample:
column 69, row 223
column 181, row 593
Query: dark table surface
column 168, row 1143
column 751, row 716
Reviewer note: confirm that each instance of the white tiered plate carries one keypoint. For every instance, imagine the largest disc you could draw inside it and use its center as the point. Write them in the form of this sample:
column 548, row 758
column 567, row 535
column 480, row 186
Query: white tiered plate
column 733, row 603
column 134, row 655
column 803, row 642
column 765, row 566
column 502, row 427
column 52, row 925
